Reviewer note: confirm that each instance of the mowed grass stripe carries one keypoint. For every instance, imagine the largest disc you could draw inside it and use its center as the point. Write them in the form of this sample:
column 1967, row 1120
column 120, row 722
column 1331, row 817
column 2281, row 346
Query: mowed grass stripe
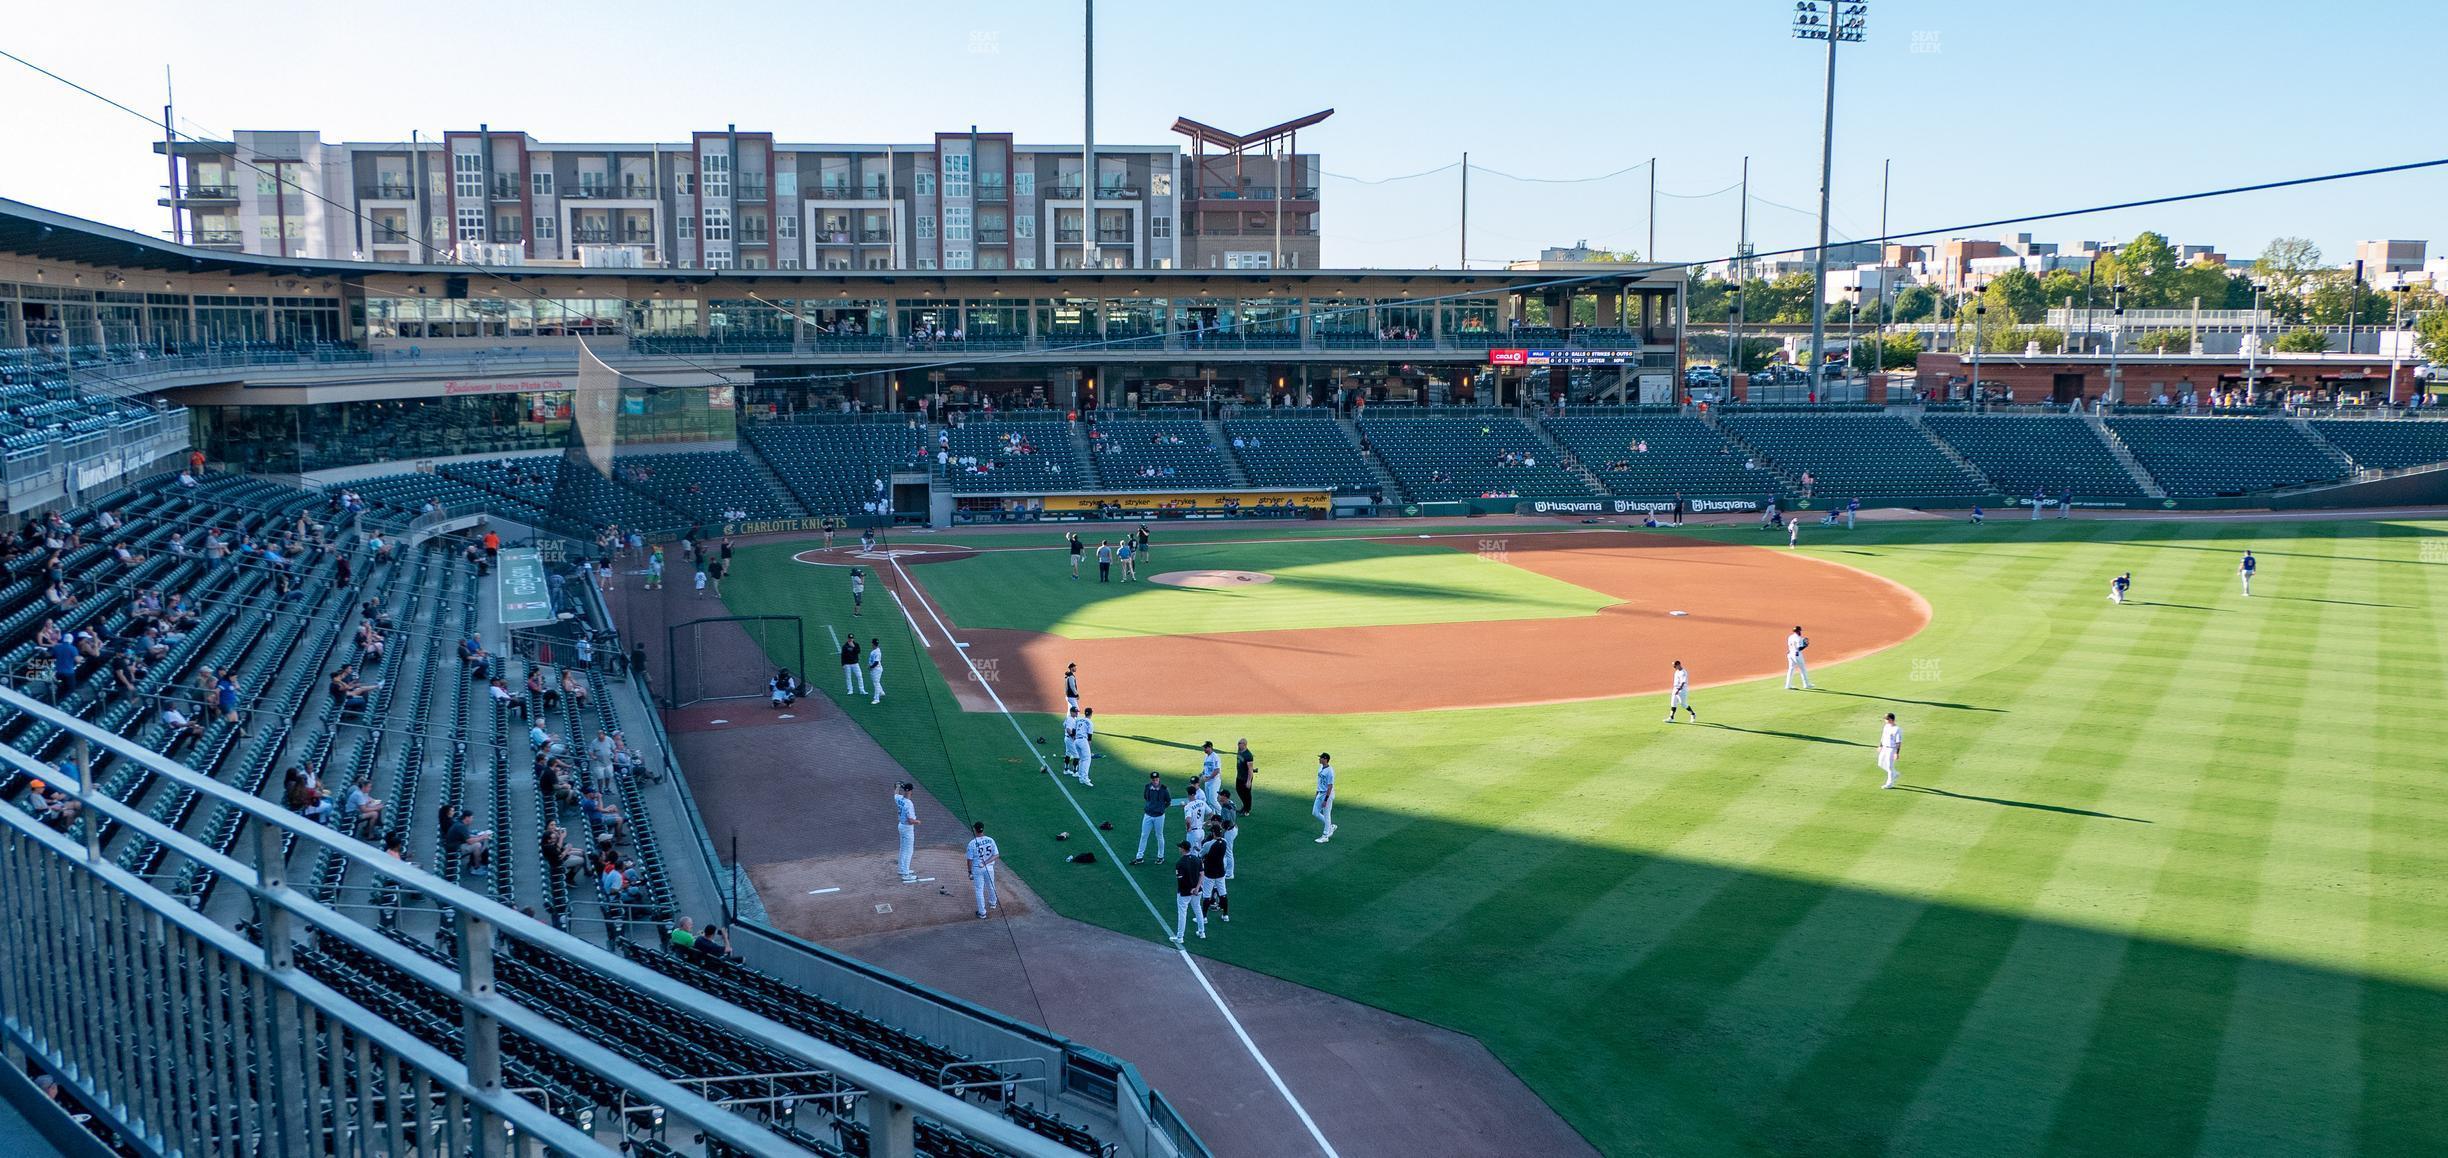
column 1891, row 1044
column 2402, row 1035
column 1845, row 947
column 2143, row 1089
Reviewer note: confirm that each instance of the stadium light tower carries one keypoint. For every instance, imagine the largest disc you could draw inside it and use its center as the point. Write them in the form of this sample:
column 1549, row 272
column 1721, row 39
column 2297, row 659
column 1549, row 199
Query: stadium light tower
column 1836, row 22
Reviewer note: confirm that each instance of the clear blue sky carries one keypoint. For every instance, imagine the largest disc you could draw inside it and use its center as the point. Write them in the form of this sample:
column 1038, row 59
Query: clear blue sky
column 1988, row 110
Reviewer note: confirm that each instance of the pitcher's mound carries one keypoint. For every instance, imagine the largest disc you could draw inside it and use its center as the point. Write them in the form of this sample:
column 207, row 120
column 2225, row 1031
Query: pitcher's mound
column 1211, row 578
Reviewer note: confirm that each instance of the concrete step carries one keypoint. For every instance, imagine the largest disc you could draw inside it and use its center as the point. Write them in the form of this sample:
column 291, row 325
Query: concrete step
column 1232, row 461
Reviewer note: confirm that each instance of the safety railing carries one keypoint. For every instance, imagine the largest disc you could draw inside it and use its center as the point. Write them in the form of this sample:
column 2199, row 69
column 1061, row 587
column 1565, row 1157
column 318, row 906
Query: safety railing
column 197, row 1039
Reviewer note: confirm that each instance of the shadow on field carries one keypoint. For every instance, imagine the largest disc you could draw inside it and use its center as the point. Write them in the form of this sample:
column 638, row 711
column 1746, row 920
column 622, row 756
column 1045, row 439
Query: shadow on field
column 1784, row 735
column 1148, row 740
column 2339, row 602
column 2060, row 808
column 1918, row 703
column 2177, row 606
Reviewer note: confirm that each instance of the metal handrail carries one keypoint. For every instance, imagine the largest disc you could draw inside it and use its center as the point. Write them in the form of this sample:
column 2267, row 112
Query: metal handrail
column 478, row 914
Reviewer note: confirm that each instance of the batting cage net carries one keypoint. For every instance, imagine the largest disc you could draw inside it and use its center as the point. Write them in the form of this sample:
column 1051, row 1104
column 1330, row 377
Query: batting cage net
column 732, row 657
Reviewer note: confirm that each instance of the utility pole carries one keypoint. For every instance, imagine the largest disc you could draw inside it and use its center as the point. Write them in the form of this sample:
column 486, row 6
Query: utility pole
column 1465, row 255
column 1741, row 271
column 1845, row 20
column 1652, row 254
column 1878, row 358
column 1088, row 241
column 1282, row 157
column 178, row 228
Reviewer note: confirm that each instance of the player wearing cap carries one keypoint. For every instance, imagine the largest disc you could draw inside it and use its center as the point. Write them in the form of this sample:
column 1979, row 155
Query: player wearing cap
column 983, row 855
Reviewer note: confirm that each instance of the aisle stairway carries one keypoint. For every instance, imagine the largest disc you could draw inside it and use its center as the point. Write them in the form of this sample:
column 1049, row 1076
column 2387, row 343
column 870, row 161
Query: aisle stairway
column 2125, row 458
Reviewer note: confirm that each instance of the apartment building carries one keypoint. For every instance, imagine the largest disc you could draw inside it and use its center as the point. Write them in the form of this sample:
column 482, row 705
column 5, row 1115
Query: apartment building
column 733, row 199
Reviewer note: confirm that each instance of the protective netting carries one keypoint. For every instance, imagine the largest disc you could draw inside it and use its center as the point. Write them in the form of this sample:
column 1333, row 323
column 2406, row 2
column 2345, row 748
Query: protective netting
column 733, row 657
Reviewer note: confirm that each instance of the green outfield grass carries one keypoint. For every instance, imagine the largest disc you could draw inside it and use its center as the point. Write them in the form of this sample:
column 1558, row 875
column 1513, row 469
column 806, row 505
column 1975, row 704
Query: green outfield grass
column 2168, row 878
column 1317, row 584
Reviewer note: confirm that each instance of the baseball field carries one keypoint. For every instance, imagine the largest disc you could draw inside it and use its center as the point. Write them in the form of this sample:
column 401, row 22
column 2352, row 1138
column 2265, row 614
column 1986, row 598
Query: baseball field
column 2166, row 877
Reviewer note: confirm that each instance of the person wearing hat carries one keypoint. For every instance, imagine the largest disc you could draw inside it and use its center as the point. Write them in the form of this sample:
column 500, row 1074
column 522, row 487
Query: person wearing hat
column 905, row 820
column 1189, row 879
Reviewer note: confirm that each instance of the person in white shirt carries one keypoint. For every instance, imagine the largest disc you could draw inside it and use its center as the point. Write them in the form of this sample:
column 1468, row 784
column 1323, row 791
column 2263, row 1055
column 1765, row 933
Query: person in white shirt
column 1795, row 665
column 905, row 820
column 1793, row 533
column 1211, row 774
column 1194, row 815
column 1682, row 694
column 1323, row 809
column 983, row 856
column 875, row 668
column 1071, row 742
column 1087, row 745
column 1891, row 742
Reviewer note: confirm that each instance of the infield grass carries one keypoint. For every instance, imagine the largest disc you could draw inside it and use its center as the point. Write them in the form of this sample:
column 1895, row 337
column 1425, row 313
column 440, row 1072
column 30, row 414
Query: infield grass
column 2166, row 878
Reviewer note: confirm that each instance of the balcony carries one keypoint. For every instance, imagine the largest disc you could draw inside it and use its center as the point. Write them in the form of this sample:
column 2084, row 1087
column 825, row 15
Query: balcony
column 1115, row 237
column 591, row 237
column 750, row 191
column 638, row 190
column 637, row 237
column 1252, row 193
column 218, row 237
column 586, row 192
column 390, row 235
column 1064, row 192
column 993, row 192
column 394, row 191
column 1067, row 235
column 874, row 236
column 506, row 188
column 994, row 237
column 210, row 193
column 1117, row 192
column 833, row 192
column 759, row 237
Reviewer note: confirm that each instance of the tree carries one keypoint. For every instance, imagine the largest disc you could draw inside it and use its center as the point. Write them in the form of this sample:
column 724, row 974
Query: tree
column 2058, row 286
column 2212, row 286
column 1903, row 351
column 2301, row 342
column 1914, row 304
column 2163, row 342
column 2147, row 268
column 2287, row 264
column 2337, row 299
column 2431, row 335
column 1707, row 298
column 2015, row 295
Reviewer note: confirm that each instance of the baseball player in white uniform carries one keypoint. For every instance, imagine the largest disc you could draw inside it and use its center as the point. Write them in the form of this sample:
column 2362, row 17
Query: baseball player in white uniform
column 1793, row 533
column 1194, row 815
column 1891, row 741
column 1323, row 808
column 1087, row 745
column 1071, row 682
column 875, row 668
column 905, row 816
column 983, row 856
column 1070, row 736
column 1795, row 665
column 858, row 592
column 1211, row 773
column 1682, row 694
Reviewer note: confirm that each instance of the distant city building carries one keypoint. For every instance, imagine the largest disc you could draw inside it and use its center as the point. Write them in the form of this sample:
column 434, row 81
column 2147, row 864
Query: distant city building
column 2390, row 257
column 729, row 199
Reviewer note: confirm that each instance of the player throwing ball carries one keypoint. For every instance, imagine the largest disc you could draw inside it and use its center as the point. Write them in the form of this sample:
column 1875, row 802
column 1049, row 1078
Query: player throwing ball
column 1682, row 694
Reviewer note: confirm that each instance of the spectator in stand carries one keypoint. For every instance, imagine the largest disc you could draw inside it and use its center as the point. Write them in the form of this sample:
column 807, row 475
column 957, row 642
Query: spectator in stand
column 472, row 653
column 460, row 838
column 225, row 698
column 540, row 693
column 573, row 687
column 347, row 692
column 603, row 818
column 305, row 797
column 179, row 727
column 558, row 853
column 501, row 694
column 363, row 805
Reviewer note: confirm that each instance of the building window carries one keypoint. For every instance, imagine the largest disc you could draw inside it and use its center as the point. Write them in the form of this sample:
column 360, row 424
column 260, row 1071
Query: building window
column 1024, row 226
column 687, row 263
column 788, row 226
column 756, row 261
column 269, row 227
column 1241, row 259
column 717, row 169
column 925, row 184
column 544, row 228
column 1024, row 183
column 993, row 259
column 956, row 221
column 957, row 259
column 1160, row 228
column 926, row 227
column 1160, row 184
column 956, row 174
column 1025, row 261
column 718, row 259
column 467, row 174
column 688, row 227
column 685, row 182
column 790, row 263
column 543, row 183
column 926, row 263
column 506, row 227
column 876, row 263
column 786, row 182
column 471, row 224
column 717, row 223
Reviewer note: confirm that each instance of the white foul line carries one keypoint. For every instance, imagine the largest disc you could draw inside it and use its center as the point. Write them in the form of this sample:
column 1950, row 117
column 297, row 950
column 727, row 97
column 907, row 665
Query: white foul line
column 905, row 611
column 1255, row 1053
column 821, row 892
